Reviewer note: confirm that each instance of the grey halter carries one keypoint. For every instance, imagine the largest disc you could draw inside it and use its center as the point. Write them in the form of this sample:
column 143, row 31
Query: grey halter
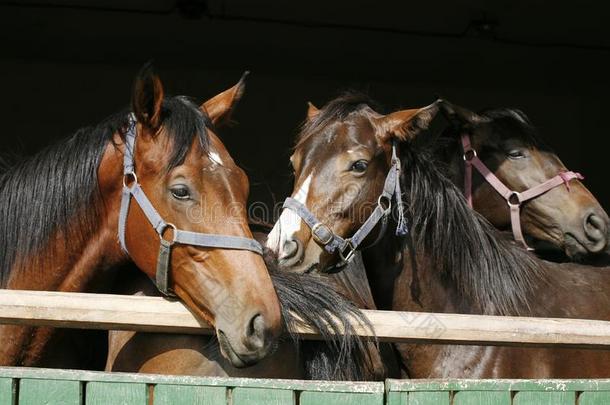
column 179, row 236
column 346, row 247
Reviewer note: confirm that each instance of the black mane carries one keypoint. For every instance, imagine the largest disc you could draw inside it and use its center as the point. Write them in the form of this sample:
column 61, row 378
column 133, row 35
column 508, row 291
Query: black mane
column 341, row 354
column 487, row 269
column 55, row 192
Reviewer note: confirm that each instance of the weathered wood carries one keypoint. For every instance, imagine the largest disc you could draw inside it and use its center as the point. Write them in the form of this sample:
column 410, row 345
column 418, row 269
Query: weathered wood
column 49, row 392
column 267, row 396
column 7, row 390
column 594, row 398
column 339, row 398
column 104, row 393
column 482, row 398
column 154, row 314
column 544, row 398
column 165, row 394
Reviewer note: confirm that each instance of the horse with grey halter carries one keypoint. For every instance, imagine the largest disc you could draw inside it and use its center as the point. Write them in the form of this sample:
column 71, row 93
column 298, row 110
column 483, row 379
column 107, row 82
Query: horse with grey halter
column 60, row 231
column 451, row 260
column 305, row 300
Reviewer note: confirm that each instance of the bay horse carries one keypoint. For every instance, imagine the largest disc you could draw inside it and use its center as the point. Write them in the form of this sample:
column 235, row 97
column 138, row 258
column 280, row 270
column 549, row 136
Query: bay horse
column 146, row 176
column 305, row 299
column 561, row 215
column 451, row 260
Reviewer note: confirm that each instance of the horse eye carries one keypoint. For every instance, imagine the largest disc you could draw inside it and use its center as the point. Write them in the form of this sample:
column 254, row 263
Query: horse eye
column 516, row 154
column 359, row 166
column 180, row 192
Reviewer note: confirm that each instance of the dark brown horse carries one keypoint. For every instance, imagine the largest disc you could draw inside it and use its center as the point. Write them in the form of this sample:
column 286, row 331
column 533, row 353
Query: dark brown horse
column 566, row 218
column 59, row 216
column 452, row 260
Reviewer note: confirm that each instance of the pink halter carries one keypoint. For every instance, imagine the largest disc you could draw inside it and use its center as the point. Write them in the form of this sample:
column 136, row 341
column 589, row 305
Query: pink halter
column 513, row 198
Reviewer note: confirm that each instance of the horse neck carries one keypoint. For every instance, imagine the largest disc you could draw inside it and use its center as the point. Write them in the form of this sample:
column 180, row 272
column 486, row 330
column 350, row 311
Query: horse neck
column 67, row 263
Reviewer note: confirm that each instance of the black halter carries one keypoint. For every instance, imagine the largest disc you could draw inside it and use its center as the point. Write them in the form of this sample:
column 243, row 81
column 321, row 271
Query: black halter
column 346, row 247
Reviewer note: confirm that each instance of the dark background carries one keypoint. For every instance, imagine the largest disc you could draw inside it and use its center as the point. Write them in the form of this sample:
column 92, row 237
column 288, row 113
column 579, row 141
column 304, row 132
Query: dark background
column 65, row 64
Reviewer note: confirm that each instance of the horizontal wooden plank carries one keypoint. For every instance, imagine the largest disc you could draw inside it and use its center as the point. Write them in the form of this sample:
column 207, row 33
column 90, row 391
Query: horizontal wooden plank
column 284, row 384
column 547, row 385
column 155, row 314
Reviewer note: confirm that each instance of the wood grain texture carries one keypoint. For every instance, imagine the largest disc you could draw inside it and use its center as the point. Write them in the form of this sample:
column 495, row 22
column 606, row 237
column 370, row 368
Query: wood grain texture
column 105, row 393
column 165, row 394
column 256, row 396
column 155, row 314
column 49, row 392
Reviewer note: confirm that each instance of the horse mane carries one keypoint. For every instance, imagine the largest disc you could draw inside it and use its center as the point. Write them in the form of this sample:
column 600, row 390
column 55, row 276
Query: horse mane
column 517, row 122
column 335, row 110
column 310, row 300
column 56, row 190
column 487, row 269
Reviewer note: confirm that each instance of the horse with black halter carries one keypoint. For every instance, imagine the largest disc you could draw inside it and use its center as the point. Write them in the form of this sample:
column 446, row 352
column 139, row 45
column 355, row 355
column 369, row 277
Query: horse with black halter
column 125, row 192
column 514, row 180
column 451, row 259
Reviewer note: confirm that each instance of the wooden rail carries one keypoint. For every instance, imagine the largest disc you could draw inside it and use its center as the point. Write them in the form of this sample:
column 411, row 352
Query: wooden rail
column 155, row 314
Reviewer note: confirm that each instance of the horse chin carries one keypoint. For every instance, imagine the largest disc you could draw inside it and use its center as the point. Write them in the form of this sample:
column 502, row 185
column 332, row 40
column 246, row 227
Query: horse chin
column 240, row 360
column 574, row 249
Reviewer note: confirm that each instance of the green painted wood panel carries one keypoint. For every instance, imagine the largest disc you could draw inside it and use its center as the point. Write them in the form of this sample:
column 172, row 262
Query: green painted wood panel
column 49, row 392
column 105, row 393
column 594, row 398
column 397, row 398
column 340, row 398
column 544, row 398
column 262, row 396
column 6, row 391
column 165, row 394
column 429, row 398
column 482, row 398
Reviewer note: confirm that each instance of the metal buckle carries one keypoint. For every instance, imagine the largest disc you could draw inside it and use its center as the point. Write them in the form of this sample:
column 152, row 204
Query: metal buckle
column 317, row 238
column 174, row 229
column 345, row 258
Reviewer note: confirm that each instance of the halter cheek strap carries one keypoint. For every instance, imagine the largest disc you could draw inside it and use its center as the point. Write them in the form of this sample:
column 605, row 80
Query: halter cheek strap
column 160, row 226
column 513, row 198
column 324, row 236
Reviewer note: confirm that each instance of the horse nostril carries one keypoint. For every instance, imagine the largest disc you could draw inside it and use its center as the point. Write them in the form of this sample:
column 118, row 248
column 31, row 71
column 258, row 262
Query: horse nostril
column 595, row 227
column 291, row 252
column 256, row 333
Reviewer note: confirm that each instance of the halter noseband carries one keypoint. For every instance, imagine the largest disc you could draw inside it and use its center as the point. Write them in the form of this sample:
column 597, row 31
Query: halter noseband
column 346, row 247
column 513, row 198
column 179, row 236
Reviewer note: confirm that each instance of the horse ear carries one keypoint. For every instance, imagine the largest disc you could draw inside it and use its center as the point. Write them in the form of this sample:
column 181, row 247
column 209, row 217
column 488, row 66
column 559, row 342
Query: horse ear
column 220, row 107
column 405, row 124
column 312, row 111
column 459, row 116
column 147, row 97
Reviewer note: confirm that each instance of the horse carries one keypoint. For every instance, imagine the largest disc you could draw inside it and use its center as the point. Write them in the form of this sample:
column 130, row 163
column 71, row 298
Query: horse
column 146, row 175
column 451, row 259
column 561, row 216
column 305, row 299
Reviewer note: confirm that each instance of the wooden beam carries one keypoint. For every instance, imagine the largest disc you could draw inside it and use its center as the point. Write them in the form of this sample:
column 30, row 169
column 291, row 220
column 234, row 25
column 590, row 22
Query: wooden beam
column 155, row 314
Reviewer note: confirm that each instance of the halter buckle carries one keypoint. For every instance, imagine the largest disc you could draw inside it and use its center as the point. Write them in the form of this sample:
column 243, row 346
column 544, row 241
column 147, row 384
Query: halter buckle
column 351, row 250
column 165, row 228
column 321, row 234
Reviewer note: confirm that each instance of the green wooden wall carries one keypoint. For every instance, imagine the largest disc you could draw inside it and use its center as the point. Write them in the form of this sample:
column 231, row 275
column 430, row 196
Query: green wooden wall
column 23, row 386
